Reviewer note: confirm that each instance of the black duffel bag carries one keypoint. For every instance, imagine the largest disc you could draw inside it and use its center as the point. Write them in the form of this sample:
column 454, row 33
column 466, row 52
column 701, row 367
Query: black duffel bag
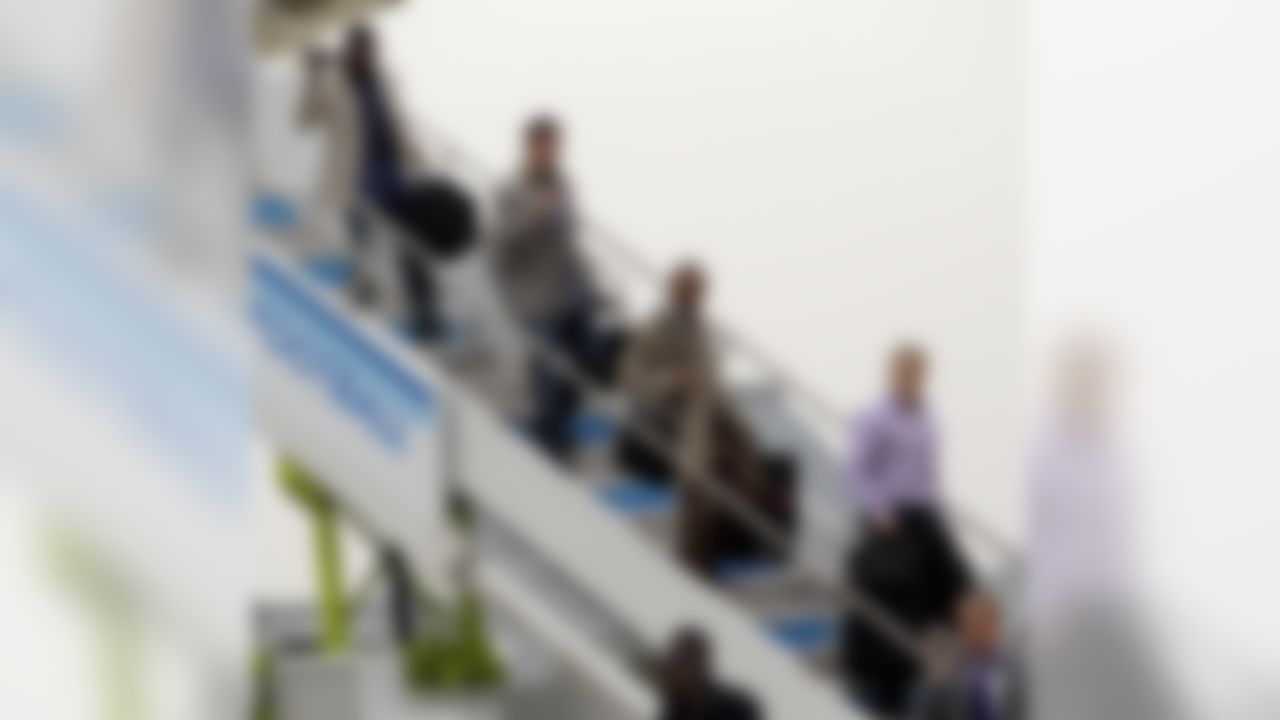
column 439, row 214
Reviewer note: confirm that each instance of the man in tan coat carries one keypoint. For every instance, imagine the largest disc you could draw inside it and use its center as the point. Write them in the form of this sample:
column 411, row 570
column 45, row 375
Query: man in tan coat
column 681, row 425
column 669, row 377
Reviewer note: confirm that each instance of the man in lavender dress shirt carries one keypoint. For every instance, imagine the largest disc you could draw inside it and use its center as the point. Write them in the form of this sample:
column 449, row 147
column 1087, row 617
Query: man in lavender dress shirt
column 905, row 559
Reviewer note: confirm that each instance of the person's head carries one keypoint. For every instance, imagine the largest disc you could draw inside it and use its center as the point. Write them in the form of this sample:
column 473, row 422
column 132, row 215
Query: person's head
column 908, row 368
column 978, row 620
column 1085, row 381
column 542, row 141
column 360, row 51
column 687, row 288
column 688, row 668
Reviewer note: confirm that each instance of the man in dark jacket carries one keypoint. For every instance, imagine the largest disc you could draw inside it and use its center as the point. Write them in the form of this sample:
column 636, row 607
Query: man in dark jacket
column 982, row 681
column 387, row 162
column 691, row 690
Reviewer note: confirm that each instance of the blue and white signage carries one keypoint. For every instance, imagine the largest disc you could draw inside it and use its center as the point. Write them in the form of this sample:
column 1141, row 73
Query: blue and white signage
column 386, row 400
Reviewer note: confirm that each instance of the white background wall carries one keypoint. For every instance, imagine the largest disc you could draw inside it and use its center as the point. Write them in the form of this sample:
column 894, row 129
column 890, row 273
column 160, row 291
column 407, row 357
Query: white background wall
column 1157, row 175
column 847, row 167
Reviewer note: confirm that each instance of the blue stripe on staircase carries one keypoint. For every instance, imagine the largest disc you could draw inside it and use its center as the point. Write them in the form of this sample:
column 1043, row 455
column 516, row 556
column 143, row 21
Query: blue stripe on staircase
column 273, row 211
column 805, row 633
column 595, row 429
column 635, row 498
column 333, row 271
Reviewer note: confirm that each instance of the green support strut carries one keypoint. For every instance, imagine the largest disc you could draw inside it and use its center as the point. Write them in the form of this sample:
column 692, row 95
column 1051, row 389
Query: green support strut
column 322, row 511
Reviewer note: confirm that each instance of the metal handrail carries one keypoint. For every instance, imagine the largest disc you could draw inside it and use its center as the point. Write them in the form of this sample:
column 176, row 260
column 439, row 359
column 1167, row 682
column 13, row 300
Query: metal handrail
column 847, row 599
column 733, row 339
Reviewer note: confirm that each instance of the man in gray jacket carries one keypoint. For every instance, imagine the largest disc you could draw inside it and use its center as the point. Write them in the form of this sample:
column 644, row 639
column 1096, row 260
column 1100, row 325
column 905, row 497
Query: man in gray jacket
column 544, row 278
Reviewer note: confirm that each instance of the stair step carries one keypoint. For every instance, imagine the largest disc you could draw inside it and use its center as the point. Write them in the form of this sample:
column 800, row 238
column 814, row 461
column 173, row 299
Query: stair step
column 638, row 499
column 807, row 633
column 754, row 570
column 455, row 338
column 594, row 428
column 274, row 212
column 333, row 271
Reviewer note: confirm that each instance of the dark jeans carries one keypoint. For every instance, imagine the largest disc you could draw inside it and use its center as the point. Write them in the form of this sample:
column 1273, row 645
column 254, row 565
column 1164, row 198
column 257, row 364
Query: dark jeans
column 557, row 396
column 422, row 299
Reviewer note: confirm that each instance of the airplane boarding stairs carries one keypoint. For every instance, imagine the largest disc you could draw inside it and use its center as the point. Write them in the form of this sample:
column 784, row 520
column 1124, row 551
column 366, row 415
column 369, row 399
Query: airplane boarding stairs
column 530, row 508
column 598, row 533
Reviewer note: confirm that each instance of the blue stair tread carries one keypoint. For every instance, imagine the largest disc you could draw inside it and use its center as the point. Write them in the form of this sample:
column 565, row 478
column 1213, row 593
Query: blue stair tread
column 273, row 211
column 455, row 333
column 593, row 428
column 803, row 633
column 331, row 270
column 638, row 498
column 733, row 571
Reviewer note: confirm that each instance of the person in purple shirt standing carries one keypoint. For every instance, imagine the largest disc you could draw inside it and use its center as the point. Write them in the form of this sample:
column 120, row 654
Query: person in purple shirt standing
column 905, row 558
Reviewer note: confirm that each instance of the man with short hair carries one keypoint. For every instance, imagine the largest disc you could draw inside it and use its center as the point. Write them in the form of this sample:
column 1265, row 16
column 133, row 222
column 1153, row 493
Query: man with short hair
column 548, row 288
column 690, row 688
column 982, row 681
column 669, row 376
column 894, row 477
column 906, row 559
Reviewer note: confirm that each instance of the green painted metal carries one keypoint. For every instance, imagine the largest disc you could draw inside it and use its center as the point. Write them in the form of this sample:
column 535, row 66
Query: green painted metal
column 122, row 663
column 114, row 617
column 326, row 544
